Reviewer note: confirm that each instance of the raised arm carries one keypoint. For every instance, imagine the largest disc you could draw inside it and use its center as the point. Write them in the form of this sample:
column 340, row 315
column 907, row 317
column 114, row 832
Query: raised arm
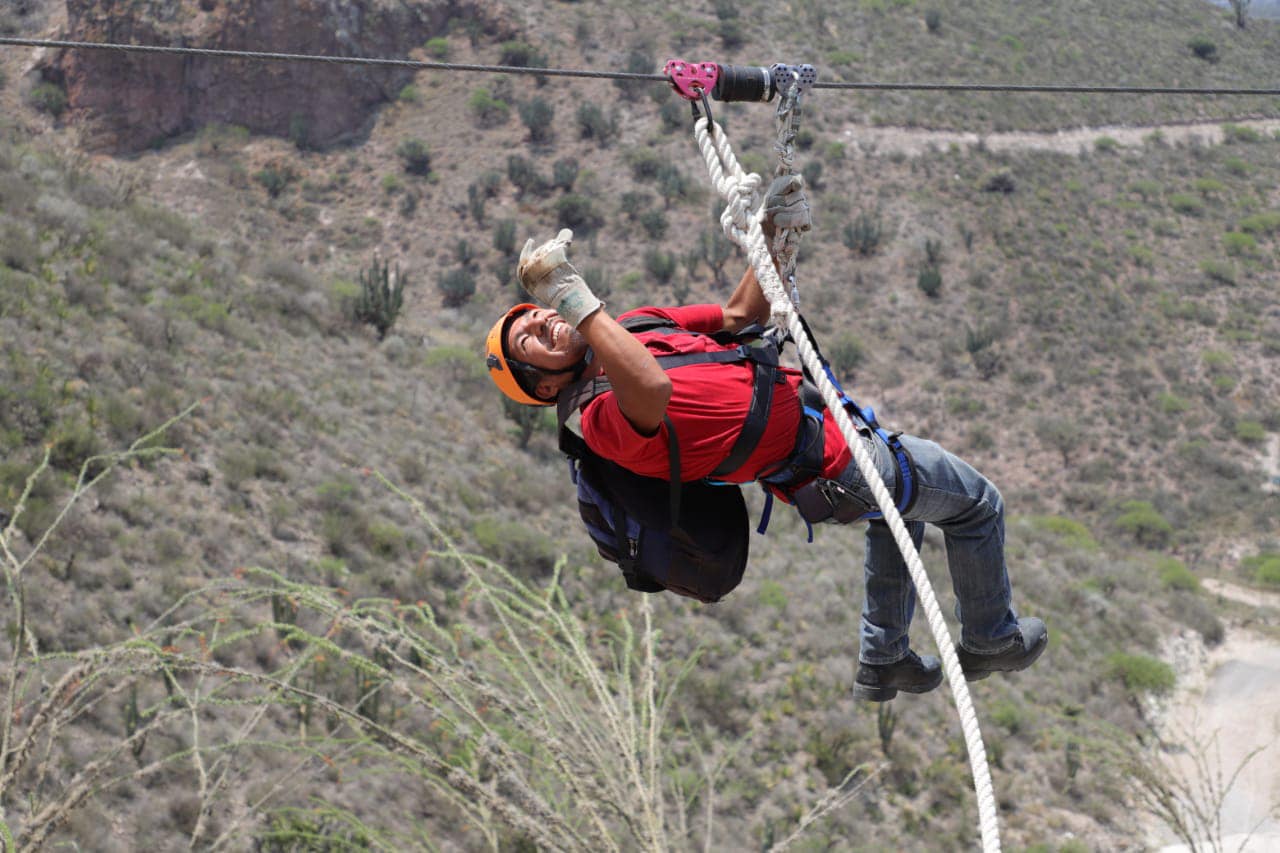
column 640, row 386
column 747, row 304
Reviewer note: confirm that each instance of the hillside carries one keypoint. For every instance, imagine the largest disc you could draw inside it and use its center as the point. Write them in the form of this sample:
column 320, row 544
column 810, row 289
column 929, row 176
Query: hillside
column 1103, row 341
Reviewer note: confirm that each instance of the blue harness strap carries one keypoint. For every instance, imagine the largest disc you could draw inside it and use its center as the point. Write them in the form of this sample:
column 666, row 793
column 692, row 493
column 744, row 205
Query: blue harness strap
column 906, row 471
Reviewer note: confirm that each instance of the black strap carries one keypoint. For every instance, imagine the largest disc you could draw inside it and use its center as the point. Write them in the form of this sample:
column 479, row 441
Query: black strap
column 754, row 345
column 754, row 425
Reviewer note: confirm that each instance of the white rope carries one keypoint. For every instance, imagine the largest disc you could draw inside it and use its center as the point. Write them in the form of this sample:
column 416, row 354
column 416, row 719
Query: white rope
column 741, row 223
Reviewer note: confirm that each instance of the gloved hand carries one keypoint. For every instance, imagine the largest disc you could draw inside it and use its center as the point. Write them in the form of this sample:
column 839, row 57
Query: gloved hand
column 547, row 274
column 785, row 206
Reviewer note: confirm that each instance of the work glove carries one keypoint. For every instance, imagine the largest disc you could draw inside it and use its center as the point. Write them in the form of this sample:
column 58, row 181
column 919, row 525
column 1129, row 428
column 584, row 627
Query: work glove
column 785, row 206
column 547, row 274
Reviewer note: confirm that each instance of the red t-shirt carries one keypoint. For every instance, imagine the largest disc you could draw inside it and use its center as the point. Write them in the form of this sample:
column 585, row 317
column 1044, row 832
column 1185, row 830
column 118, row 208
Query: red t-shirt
column 708, row 406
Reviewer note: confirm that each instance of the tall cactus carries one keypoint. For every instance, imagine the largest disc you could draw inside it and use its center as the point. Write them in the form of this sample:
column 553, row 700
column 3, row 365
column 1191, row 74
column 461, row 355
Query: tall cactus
column 381, row 297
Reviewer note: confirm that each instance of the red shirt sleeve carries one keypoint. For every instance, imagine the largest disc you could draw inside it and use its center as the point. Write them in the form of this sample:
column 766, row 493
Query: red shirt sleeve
column 696, row 318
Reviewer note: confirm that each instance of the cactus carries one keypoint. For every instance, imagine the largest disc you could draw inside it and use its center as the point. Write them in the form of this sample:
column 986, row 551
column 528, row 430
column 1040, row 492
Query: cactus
column 381, row 297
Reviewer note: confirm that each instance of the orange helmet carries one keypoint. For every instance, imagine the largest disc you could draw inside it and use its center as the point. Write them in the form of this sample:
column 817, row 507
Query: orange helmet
column 514, row 378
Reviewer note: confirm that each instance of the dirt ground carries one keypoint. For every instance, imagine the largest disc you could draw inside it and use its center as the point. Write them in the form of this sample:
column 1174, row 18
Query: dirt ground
column 1229, row 703
column 915, row 142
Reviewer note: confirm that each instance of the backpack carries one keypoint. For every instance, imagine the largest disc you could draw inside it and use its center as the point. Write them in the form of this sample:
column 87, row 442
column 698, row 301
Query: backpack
column 687, row 538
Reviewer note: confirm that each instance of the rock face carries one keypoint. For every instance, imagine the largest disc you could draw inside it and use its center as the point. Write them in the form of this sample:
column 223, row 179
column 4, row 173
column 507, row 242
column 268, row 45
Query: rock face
column 129, row 101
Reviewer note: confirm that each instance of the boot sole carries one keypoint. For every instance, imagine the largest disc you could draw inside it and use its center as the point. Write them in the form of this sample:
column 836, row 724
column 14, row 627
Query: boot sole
column 874, row 694
column 979, row 675
column 868, row 693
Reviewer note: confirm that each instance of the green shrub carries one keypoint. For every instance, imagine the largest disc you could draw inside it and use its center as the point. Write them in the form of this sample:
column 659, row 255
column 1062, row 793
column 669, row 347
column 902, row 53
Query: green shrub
column 1070, row 532
column 674, row 115
column 812, row 174
column 437, row 48
column 458, row 286
column 1186, row 204
column 527, row 420
column 1266, row 568
column 1238, row 243
column 639, row 61
column 1171, row 404
column 1140, row 673
column 1262, row 224
column 73, row 445
column 300, row 133
column 660, row 265
column 275, row 177
column 843, row 57
column 1174, row 574
column 1250, row 432
column 1208, row 186
column 863, row 234
column 524, row 551
column 1147, row 189
column 1203, row 48
column 594, row 124
column 1009, row 716
column 579, row 213
column 520, row 54
column 1233, row 133
column 539, row 117
column 845, row 354
column 1142, row 256
column 415, row 156
column 504, row 236
column 1144, row 523
column 385, row 539
column 1236, row 166
column 564, row 174
column 381, row 297
column 645, row 163
column 773, row 594
column 929, row 280
column 1219, row 271
column 524, row 175
column 1106, row 144
column 487, row 110
column 998, row 181
column 48, row 98
column 654, row 223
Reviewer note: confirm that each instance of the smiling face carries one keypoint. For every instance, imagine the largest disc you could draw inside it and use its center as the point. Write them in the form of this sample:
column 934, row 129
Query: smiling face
column 542, row 338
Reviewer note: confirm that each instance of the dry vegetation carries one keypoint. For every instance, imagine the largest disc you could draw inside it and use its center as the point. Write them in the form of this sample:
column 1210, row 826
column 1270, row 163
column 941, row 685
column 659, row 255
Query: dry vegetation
column 1100, row 335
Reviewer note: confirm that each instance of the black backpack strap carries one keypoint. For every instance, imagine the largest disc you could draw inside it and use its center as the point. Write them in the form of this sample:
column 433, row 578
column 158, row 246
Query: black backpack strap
column 756, row 422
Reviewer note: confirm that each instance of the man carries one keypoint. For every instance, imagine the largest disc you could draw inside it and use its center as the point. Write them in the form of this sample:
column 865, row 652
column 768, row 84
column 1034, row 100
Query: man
column 537, row 352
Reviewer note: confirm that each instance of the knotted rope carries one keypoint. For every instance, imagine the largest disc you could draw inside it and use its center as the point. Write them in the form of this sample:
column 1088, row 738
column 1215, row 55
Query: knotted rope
column 741, row 222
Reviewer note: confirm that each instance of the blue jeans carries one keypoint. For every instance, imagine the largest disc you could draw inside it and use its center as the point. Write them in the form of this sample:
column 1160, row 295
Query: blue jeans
column 967, row 507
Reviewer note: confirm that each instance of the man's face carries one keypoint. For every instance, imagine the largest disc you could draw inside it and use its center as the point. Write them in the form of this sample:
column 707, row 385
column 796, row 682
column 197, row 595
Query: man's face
column 542, row 338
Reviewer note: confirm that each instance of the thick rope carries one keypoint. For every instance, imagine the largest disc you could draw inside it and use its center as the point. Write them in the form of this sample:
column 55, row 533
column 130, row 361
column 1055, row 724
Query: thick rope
column 742, row 225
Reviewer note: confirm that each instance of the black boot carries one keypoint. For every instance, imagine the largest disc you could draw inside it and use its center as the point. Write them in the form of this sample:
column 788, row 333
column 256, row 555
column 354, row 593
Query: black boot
column 881, row 682
column 1029, row 642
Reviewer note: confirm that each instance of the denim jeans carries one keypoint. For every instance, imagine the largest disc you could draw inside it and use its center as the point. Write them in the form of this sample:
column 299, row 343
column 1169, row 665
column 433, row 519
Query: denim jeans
column 968, row 509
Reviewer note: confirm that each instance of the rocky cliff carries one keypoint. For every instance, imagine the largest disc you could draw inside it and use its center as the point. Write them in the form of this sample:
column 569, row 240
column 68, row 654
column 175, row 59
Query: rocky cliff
column 316, row 104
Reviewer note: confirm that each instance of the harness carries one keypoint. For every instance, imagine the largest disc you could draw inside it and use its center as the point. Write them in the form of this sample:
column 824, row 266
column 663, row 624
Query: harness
column 762, row 347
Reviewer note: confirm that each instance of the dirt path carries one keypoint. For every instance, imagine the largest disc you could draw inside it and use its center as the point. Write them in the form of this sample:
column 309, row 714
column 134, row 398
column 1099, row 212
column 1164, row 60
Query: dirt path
column 1230, row 703
column 914, row 142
